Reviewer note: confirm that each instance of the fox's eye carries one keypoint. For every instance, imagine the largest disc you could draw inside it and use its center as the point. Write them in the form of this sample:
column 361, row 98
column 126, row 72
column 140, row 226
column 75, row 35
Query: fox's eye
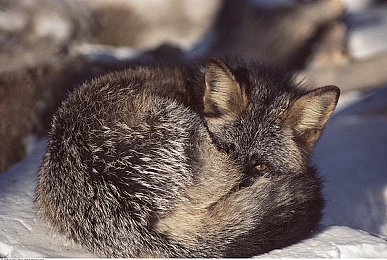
column 223, row 151
column 261, row 167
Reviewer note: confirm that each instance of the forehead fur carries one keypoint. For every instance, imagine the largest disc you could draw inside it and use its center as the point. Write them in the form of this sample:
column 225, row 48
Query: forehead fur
column 269, row 88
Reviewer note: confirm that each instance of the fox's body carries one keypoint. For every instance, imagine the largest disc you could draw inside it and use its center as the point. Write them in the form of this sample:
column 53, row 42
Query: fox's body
column 170, row 162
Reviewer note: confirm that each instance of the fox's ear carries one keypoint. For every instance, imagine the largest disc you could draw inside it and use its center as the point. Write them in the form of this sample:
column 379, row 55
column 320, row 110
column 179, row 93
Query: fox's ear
column 223, row 95
column 308, row 115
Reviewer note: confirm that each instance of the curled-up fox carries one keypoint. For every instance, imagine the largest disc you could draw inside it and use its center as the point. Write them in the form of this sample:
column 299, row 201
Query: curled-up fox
column 201, row 161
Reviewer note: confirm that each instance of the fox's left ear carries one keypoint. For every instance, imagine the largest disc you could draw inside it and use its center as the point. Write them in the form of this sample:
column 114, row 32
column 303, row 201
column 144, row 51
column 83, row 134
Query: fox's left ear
column 224, row 97
column 308, row 115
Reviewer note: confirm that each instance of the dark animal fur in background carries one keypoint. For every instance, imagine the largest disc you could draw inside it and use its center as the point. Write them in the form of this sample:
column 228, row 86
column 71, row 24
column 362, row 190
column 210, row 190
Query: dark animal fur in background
column 206, row 161
column 40, row 62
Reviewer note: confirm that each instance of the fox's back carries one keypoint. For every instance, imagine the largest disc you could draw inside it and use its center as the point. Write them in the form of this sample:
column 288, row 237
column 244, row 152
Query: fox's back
column 117, row 146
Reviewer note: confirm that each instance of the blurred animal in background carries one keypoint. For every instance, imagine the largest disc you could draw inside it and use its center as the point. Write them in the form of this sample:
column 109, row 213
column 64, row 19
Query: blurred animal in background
column 47, row 47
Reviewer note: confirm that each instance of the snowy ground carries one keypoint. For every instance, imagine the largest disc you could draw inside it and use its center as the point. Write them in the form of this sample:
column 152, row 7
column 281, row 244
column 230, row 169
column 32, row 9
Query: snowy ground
column 22, row 232
column 351, row 156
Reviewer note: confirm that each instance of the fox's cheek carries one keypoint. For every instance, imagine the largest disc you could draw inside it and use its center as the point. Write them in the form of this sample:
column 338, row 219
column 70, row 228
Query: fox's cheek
column 248, row 181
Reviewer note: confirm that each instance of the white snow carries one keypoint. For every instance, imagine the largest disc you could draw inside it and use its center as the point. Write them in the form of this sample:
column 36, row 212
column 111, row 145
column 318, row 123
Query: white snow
column 352, row 157
column 357, row 5
column 367, row 32
column 22, row 232
column 52, row 25
column 334, row 242
column 30, row 143
column 12, row 21
column 104, row 53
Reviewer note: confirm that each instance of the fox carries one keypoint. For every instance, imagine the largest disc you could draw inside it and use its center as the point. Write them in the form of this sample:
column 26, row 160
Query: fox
column 208, row 160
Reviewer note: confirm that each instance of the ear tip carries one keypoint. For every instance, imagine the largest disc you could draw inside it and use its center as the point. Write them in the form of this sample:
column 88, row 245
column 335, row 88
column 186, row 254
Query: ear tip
column 332, row 89
column 215, row 60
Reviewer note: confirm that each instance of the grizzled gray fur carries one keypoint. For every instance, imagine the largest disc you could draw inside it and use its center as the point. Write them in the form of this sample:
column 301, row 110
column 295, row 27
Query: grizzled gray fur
column 165, row 161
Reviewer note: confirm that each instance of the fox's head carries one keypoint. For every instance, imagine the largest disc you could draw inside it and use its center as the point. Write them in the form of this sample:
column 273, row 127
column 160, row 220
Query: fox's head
column 263, row 120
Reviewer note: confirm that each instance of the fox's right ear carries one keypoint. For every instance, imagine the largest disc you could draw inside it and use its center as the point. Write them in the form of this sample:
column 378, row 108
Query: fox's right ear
column 223, row 95
column 308, row 115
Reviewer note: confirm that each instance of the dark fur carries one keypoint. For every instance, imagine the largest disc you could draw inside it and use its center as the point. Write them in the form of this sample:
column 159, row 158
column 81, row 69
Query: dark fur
column 170, row 162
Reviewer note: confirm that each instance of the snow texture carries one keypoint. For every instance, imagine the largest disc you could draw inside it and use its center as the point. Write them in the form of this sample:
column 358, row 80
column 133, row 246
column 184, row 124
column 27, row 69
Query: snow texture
column 351, row 156
column 367, row 32
column 22, row 232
